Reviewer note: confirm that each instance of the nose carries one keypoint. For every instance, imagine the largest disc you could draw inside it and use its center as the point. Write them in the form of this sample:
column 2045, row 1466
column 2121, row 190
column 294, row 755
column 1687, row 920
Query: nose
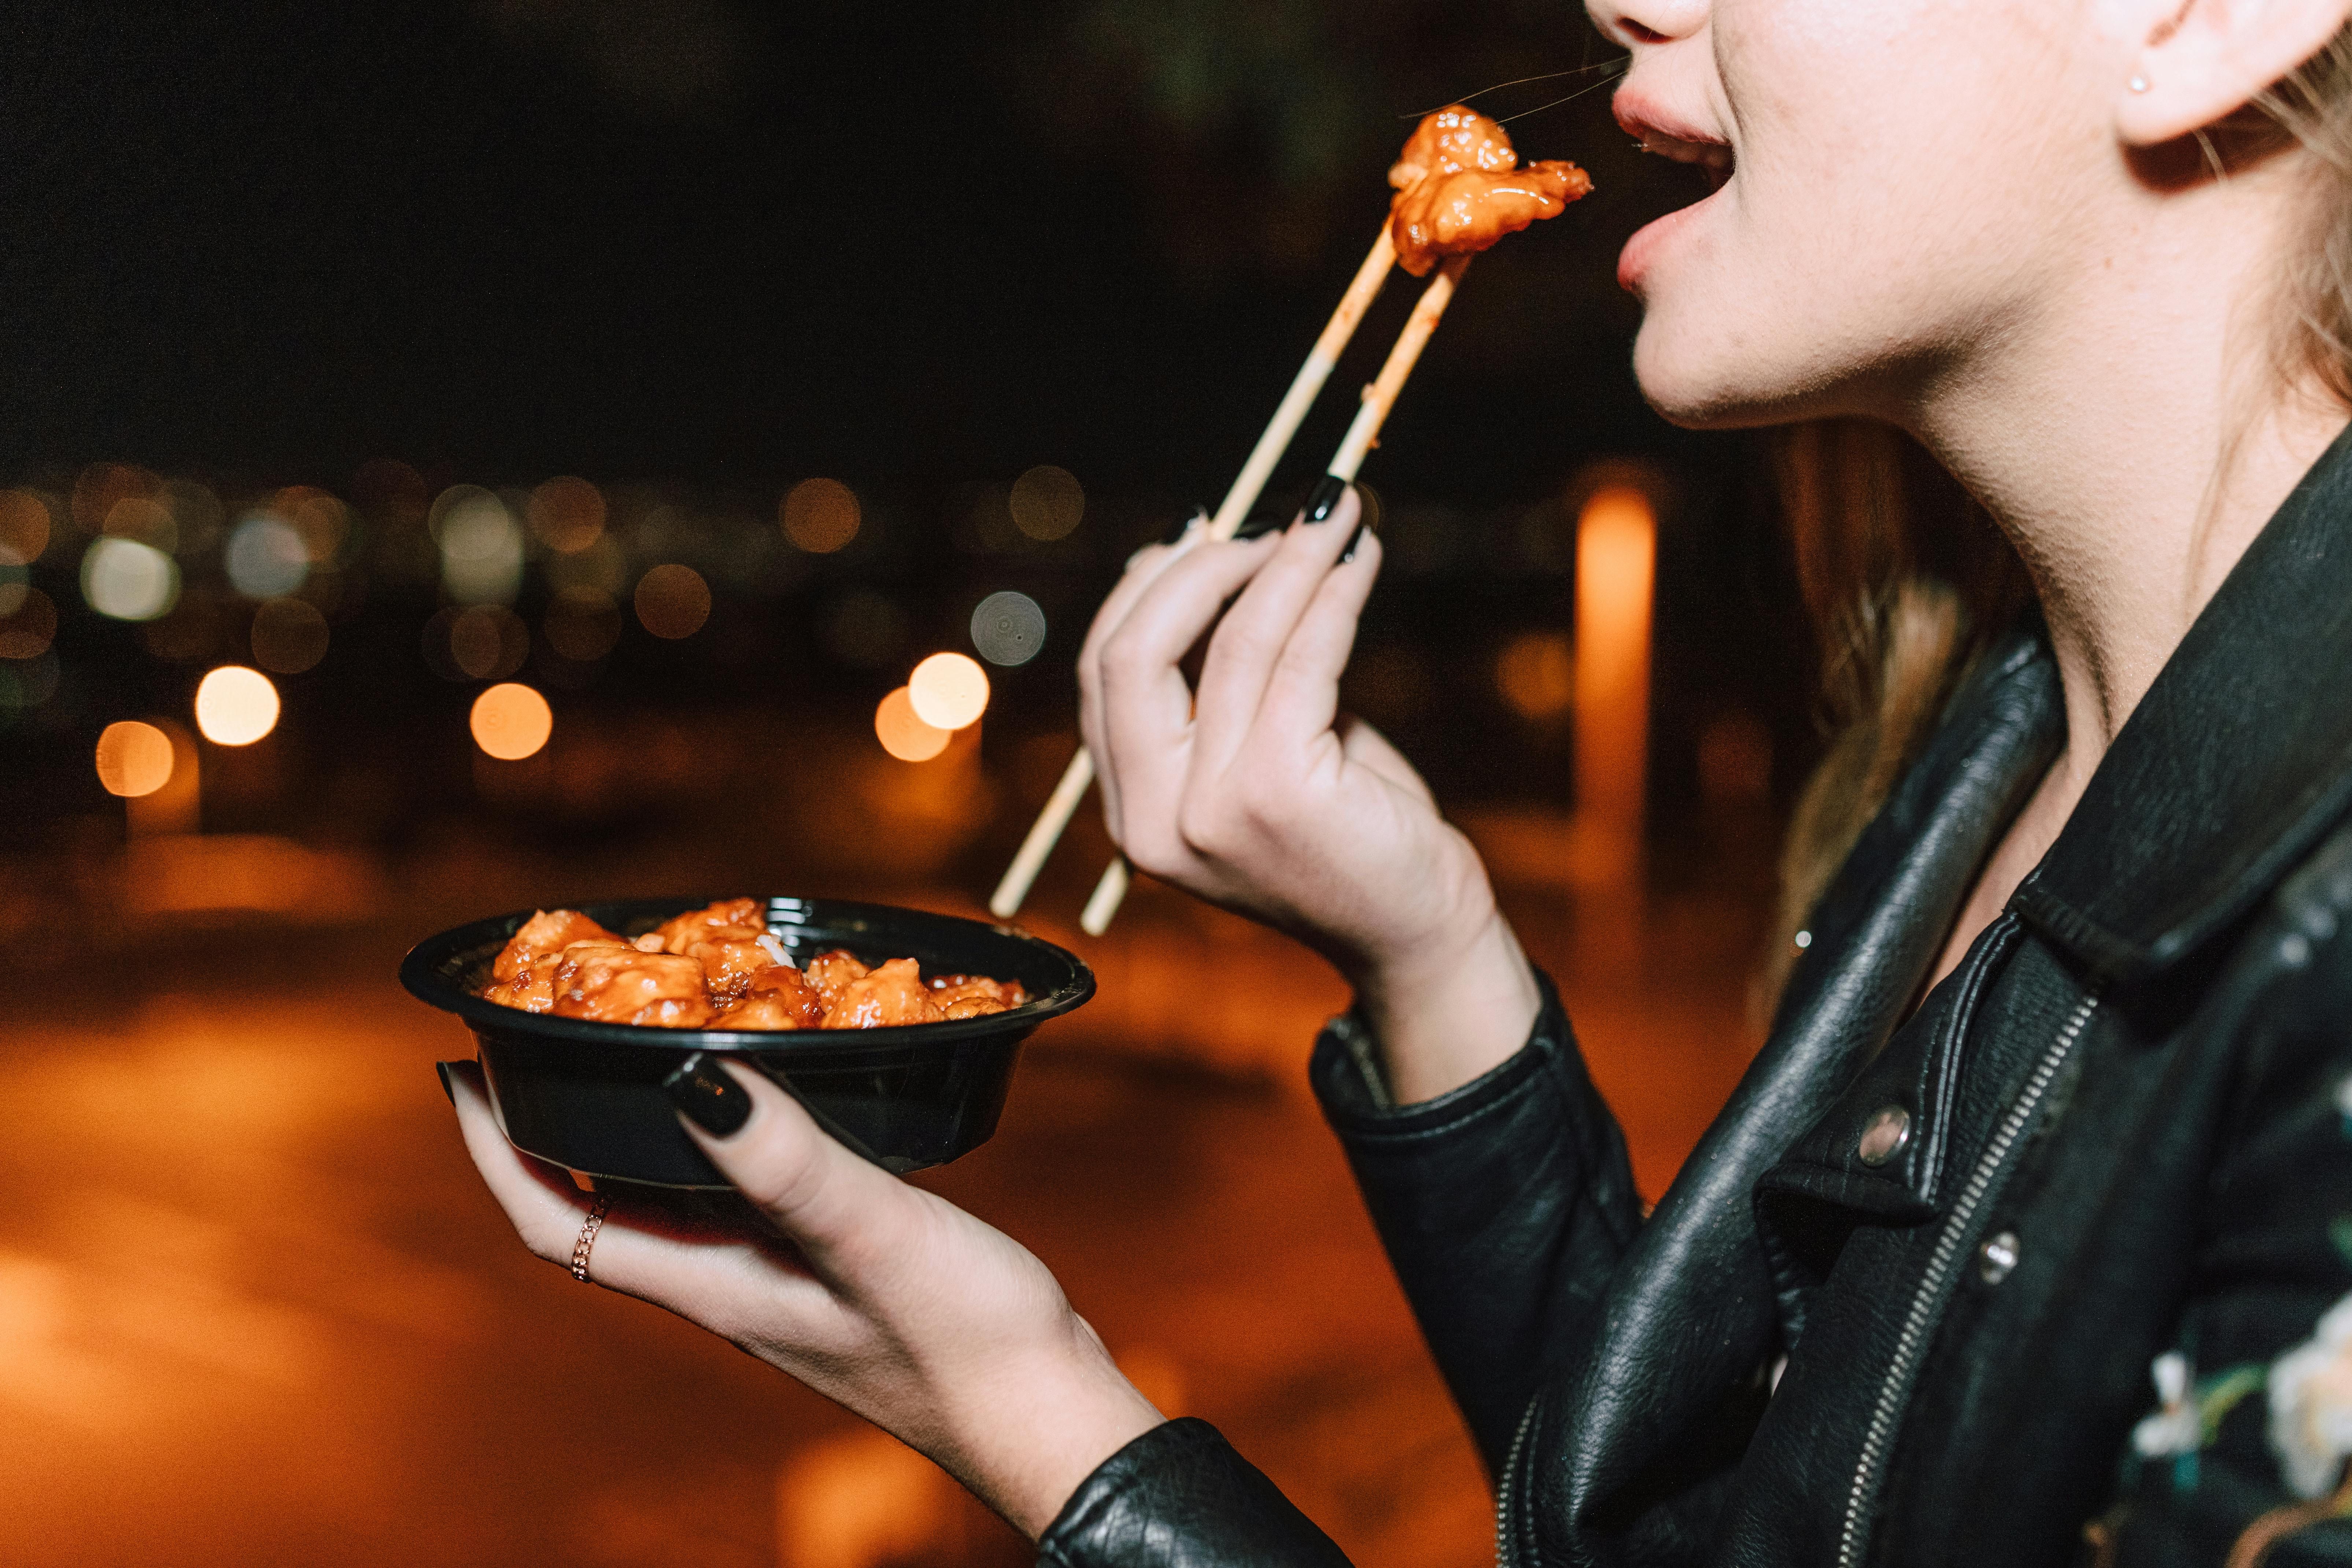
column 1633, row 22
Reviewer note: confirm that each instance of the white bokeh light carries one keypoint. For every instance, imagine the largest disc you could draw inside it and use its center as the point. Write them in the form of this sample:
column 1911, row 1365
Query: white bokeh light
column 127, row 580
column 481, row 546
column 1008, row 628
column 265, row 557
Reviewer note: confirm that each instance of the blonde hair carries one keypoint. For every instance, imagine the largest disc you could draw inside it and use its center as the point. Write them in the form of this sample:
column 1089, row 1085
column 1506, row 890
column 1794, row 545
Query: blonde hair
column 1906, row 580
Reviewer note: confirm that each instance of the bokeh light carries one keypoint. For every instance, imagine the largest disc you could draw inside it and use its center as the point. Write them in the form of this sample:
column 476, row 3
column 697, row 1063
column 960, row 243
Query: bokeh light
column 318, row 519
column 289, row 636
column 489, row 642
column 134, row 759
column 582, row 623
column 904, row 733
column 567, row 515
column 23, row 526
column 948, row 690
column 235, row 706
column 1008, row 628
column 145, row 519
column 1049, row 503
column 28, row 629
column 481, row 547
column 511, row 721
column 265, row 557
column 127, row 580
column 672, row 601
column 819, row 516
column 1536, row 672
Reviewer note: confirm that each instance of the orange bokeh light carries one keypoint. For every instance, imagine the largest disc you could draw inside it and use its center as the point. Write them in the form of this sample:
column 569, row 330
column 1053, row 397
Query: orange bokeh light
column 511, row 721
column 1616, row 564
column 672, row 601
column 903, row 733
column 819, row 516
column 134, row 759
column 948, row 690
column 235, row 706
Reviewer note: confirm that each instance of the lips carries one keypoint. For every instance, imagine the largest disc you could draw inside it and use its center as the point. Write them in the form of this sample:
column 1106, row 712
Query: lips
column 1659, row 130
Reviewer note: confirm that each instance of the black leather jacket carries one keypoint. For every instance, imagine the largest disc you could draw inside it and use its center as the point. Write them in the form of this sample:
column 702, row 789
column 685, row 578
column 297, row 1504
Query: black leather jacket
column 1905, row 1302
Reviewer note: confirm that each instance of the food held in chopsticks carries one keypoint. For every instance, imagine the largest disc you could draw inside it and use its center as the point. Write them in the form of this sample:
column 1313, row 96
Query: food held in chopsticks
column 722, row 968
column 1460, row 188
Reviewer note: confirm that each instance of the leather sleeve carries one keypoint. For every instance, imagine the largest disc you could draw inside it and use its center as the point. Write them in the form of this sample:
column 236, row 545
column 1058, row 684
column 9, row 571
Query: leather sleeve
column 1179, row 1497
column 1504, row 1207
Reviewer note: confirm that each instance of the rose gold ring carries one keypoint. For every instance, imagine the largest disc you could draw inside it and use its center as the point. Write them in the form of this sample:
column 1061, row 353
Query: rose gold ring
column 580, row 1248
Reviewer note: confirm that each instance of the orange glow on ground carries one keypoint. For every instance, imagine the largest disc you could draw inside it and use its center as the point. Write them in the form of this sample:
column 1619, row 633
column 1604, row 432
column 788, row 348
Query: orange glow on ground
column 1616, row 561
column 134, row 759
column 235, row 706
column 904, row 733
column 511, row 721
column 948, row 690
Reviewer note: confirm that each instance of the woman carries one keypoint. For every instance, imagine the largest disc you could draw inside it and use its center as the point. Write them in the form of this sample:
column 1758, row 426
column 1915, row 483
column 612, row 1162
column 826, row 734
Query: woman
column 2014, row 1245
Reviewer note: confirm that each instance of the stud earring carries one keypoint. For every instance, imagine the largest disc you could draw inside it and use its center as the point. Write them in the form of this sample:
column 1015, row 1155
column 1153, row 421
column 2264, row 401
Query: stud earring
column 2139, row 84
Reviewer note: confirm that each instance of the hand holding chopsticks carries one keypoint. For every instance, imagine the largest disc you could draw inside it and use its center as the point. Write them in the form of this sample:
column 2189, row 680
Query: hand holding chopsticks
column 1363, row 433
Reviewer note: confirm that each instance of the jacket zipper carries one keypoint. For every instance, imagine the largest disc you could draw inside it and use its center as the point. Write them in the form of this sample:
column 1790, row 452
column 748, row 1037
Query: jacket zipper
column 1917, row 1323
column 1504, row 1557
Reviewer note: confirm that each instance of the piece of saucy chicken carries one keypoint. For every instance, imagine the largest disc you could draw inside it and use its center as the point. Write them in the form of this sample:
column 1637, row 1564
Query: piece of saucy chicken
column 721, row 967
column 1460, row 188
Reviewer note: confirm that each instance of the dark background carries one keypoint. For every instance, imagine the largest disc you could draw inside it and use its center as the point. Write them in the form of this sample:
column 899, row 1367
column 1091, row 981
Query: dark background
column 706, row 249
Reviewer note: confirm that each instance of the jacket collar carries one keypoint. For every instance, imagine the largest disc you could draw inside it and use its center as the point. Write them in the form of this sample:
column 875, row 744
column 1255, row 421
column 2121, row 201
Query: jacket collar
column 2232, row 765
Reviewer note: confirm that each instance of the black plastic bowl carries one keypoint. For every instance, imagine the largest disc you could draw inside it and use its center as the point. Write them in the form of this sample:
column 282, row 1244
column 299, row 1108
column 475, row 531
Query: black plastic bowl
column 589, row 1097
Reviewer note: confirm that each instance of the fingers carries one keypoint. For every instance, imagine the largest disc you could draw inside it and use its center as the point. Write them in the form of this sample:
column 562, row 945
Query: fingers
column 1146, row 705
column 825, row 1198
column 1143, row 569
column 1302, row 691
column 1251, row 639
column 539, row 1199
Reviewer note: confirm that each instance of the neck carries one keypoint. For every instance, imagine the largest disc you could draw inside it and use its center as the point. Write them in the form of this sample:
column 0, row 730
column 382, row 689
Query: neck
column 2132, row 436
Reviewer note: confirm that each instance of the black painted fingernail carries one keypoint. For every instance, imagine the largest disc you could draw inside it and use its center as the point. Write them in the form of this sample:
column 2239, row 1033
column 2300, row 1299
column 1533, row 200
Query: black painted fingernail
column 1324, row 499
column 1257, row 527
column 1354, row 540
column 1185, row 525
column 447, row 1088
column 714, row 1102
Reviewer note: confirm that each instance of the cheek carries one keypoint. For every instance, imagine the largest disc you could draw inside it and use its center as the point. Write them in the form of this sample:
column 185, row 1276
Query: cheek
column 1883, row 156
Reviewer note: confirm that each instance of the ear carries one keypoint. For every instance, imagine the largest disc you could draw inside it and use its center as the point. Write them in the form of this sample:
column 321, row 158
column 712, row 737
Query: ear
column 2202, row 60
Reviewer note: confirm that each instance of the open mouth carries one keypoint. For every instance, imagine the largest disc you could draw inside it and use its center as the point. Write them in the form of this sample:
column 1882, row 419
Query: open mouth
column 1655, row 132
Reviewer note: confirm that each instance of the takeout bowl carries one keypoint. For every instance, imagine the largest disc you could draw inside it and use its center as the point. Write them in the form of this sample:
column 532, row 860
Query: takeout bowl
column 588, row 1096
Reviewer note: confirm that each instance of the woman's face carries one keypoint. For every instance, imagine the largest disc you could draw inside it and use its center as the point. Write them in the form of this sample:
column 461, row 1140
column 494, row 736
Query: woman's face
column 1901, row 185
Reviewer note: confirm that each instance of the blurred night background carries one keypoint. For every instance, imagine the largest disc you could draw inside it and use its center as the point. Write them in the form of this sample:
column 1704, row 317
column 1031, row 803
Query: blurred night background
column 555, row 429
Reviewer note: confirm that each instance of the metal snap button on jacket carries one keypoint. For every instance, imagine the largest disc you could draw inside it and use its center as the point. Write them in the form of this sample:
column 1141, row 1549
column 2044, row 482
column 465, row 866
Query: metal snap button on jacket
column 1997, row 1256
column 1889, row 1129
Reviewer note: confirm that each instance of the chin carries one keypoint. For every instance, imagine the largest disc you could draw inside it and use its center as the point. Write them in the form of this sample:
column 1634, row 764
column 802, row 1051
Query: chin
column 1705, row 378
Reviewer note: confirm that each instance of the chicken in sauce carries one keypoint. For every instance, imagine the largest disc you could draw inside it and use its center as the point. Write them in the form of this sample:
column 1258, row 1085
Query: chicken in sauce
column 722, row 968
column 1460, row 188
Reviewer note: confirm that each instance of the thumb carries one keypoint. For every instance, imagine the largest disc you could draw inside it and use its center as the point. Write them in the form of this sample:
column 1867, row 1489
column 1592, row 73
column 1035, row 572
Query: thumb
column 820, row 1195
